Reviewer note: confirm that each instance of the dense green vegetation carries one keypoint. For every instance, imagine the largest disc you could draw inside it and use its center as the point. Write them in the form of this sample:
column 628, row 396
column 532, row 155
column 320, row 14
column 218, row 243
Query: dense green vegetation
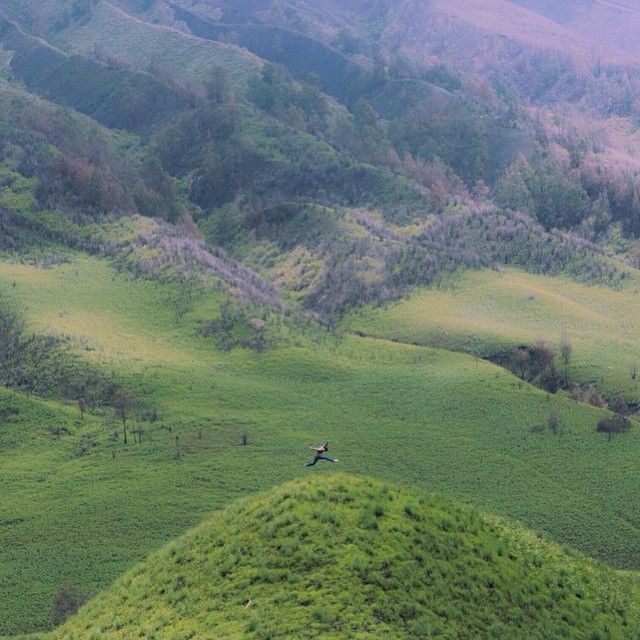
column 341, row 199
column 342, row 556
column 55, row 160
column 195, row 199
column 434, row 419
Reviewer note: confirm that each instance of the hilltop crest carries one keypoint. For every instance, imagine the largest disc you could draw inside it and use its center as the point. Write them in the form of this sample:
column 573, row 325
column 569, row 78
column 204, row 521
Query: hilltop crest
column 337, row 556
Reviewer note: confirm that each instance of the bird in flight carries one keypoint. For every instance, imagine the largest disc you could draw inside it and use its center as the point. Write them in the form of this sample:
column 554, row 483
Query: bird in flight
column 320, row 450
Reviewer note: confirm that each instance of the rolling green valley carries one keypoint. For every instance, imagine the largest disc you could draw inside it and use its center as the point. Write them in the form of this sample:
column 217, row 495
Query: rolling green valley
column 319, row 320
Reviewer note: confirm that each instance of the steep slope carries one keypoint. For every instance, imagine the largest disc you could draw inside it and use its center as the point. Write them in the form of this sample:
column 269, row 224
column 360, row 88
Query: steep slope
column 548, row 53
column 56, row 160
column 544, row 61
column 342, row 556
column 115, row 97
column 246, row 145
column 561, row 12
column 585, row 18
column 455, row 83
column 110, row 33
column 354, row 27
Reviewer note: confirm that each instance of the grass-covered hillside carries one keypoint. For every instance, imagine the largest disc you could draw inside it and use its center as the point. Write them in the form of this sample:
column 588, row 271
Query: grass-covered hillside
column 194, row 197
column 339, row 556
column 434, row 419
column 489, row 313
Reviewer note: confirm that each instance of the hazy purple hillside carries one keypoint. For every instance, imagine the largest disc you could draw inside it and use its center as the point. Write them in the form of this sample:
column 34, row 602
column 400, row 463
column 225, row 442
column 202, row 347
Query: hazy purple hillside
column 587, row 29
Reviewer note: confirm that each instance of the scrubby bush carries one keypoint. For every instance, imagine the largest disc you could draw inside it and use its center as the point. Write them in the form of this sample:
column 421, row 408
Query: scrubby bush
column 619, row 405
column 613, row 425
column 66, row 602
column 84, row 445
column 553, row 423
column 235, row 327
column 535, row 364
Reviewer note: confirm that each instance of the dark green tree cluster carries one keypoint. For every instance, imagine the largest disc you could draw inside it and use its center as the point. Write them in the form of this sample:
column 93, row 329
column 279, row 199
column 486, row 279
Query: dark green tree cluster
column 614, row 425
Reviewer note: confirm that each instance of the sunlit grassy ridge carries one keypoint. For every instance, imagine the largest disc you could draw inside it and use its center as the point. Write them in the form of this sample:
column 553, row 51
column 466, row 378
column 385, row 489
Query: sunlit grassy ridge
column 420, row 416
column 339, row 556
column 103, row 311
column 483, row 312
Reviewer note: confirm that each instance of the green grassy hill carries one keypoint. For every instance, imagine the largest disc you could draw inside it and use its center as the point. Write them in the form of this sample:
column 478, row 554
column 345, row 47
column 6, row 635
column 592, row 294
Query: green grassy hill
column 339, row 556
column 485, row 313
column 185, row 222
column 428, row 418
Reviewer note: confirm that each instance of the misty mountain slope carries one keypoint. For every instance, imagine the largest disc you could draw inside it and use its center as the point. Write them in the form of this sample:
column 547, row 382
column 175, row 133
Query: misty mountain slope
column 532, row 71
column 110, row 33
column 586, row 18
column 228, row 123
column 272, row 168
column 561, row 12
column 544, row 61
column 114, row 97
column 568, row 42
column 567, row 27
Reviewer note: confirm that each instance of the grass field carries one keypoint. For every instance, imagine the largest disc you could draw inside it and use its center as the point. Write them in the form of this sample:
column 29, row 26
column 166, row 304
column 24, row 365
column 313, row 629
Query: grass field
column 419, row 416
column 347, row 557
column 482, row 312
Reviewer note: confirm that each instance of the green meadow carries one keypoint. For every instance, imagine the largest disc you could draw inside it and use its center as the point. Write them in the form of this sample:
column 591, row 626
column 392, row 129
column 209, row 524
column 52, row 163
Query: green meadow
column 483, row 312
column 232, row 230
column 80, row 508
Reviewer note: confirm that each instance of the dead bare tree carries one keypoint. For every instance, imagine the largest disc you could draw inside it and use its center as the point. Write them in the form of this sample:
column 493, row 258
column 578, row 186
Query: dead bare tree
column 566, row 350
column 123, row 404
